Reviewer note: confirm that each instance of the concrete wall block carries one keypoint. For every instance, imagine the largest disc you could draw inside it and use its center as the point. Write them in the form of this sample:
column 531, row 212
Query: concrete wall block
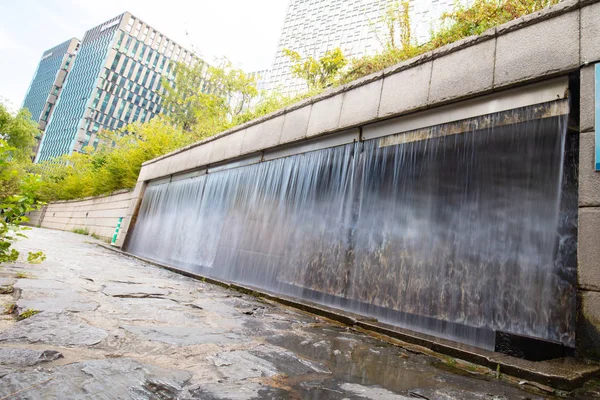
column 325, row 115
column 157, row 169
column 295, row 124
column 590, row 32
column 198, row 156
column 587, row 96
column 588, row 248
column 545, row 48
column 143, row 176
column 462, row 73
column 405, row 90
column 589, row 179
column 263, row 135
column 177, row 163
column 227, row 147
column 361, row 104
column 588, row 325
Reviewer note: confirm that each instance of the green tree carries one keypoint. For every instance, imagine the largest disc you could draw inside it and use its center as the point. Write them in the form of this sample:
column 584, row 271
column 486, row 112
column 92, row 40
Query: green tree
column 19, row 132
column 206, row 99
column 317, row 74
column 186, row 95
column 17, row 187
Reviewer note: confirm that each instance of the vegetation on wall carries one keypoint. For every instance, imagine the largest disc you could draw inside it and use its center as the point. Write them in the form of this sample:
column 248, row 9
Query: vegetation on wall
column 206, row 100
column 317, row 73
column 463, row 21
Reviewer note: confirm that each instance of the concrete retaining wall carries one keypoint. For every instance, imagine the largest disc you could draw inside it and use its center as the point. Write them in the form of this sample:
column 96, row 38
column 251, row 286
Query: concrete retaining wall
column 98, row 215
column 560, row 41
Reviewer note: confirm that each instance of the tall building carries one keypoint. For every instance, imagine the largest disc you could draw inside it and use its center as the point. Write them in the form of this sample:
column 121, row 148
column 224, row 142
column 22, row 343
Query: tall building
column 115, row 80
column 312, row 27
column 48, row 80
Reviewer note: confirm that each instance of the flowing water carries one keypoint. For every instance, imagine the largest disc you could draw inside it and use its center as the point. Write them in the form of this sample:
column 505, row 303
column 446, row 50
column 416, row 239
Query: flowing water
column 458, row 236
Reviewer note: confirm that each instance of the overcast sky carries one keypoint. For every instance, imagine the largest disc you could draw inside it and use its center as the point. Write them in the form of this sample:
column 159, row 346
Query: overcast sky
column 245, row 31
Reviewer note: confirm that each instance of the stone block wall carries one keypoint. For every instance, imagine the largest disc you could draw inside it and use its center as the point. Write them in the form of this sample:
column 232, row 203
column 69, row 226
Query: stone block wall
column 98, row 215
column 588, row 251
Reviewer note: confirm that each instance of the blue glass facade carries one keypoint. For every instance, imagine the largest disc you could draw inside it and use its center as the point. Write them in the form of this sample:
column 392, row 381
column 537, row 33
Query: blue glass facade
column 115, row 80
column 63, row 126
column 42, row 84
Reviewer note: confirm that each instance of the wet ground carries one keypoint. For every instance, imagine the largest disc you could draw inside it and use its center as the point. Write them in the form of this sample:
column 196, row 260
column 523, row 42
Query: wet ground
column 111, row 327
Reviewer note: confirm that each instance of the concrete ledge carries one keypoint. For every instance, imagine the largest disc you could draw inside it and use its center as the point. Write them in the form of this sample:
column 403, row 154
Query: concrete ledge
column 587, row 101
column 403, row 92
column 590, row 32
column 538, row 50
column 588, row 321
column 589, row 178
column 564, row 374
column 588, row 254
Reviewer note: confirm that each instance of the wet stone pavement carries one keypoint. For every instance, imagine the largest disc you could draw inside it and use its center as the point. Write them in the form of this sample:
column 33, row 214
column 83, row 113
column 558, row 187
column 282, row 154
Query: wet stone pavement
column 111, row 327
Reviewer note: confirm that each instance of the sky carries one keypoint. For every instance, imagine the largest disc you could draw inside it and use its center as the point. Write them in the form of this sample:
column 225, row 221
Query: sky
column 245, row 31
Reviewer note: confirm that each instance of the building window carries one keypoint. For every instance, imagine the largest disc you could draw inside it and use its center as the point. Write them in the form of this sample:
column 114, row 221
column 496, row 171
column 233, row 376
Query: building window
column 135, row 48
column 141, row 56
column 130, row 24
column 124, row 66
column 116, row 62
column 121, row 35
column 145, row 34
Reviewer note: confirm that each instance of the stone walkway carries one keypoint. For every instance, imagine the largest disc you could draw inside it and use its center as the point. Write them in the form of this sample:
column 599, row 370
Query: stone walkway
column 111, row 327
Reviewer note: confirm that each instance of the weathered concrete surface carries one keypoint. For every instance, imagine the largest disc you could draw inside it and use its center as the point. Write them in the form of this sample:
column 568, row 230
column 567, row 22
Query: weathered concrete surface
column 157, row 335
column 98, row 215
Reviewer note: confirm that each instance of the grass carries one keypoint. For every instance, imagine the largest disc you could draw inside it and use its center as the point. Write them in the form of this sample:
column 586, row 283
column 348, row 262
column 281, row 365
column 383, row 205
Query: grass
column 24, row 275
column 30, row 312
column 98, row 237
column 7, row 289
column 10, row 308
column 81, row 231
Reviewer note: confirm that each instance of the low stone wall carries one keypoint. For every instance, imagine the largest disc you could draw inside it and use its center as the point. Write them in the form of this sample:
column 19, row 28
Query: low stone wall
column 36, row 217
column 98, row 215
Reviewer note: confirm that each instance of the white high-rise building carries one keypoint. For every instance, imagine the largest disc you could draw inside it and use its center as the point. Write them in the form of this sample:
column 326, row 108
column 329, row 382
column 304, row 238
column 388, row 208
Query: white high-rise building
column 312, row 27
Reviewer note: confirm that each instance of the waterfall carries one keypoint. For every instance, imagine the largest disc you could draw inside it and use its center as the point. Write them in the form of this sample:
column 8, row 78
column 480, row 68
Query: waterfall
column 457, row 235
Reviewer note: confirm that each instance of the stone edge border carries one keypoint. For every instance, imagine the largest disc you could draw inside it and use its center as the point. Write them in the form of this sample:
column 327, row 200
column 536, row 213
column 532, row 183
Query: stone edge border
column 501, row 363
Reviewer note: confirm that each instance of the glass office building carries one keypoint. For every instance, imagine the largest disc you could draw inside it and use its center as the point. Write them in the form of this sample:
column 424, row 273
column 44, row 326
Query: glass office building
column 115, row 80
column 312, row 27
column 48, row 80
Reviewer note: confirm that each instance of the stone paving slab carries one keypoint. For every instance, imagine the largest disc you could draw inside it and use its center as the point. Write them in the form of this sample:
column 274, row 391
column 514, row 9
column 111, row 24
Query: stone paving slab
column 154, row 334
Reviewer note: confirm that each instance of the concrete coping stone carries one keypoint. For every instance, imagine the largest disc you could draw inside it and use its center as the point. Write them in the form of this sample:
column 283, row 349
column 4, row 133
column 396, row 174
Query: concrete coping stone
column 566, row 373
column 527, row 20
column 116, row 192
column 538, row 16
